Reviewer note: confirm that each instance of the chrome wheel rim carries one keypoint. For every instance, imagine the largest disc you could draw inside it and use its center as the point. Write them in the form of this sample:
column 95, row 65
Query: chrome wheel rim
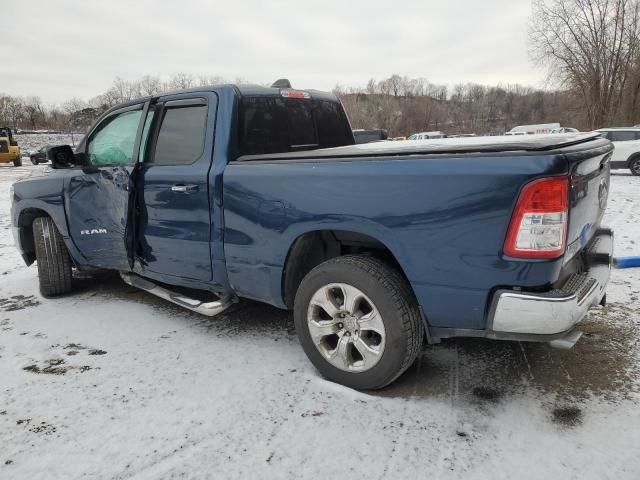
column 346, row 327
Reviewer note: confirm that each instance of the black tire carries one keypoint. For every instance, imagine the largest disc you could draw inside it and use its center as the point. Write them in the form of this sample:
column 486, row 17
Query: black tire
column 395, row 302
column 34, row 161
column 17, row 162
column 52, row 256
column 634, row 166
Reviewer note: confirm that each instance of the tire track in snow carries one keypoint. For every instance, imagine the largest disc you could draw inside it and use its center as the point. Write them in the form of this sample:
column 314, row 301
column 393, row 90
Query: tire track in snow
column 446, row 462
column 401, row 437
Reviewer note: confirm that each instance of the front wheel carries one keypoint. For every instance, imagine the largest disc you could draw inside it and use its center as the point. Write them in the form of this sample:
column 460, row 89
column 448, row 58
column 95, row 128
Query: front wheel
column 17, row 162
column 52, row 257
column 634, row 166
column 358, row 321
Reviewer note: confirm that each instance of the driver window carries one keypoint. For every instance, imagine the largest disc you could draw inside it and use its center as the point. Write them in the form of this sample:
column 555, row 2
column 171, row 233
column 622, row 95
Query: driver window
column 113, row 142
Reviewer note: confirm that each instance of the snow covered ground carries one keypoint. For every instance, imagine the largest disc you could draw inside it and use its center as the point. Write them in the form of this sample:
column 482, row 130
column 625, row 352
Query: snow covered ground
column 31, row 142
column 111, row 382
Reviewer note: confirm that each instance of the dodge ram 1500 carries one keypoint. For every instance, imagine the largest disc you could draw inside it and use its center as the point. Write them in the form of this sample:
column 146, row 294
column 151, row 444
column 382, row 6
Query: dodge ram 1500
column 206, row 195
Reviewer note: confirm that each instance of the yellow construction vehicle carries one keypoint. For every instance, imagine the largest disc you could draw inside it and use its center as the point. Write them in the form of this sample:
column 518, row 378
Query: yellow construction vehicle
column 9, row 149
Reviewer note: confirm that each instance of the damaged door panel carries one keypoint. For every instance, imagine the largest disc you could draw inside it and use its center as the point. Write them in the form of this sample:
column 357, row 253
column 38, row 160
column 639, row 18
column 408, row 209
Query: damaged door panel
column 98, row 199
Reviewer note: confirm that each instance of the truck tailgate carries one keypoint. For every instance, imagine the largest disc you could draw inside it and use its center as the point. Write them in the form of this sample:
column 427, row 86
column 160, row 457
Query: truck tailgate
column 589, row 172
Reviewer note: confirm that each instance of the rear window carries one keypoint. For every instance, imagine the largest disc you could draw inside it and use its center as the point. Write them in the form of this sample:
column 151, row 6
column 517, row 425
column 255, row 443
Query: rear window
column 279, row 125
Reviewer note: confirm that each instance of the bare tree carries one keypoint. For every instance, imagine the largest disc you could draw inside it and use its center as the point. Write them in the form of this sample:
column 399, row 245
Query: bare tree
column 206, row 80
column 589, row 46
column 15, row 111
column 149, row 85
column 180, row 81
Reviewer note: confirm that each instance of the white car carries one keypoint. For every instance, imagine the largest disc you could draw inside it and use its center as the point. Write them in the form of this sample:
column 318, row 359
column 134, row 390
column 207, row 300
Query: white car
column 627, row 151
column 566, row 130
column 426, row 135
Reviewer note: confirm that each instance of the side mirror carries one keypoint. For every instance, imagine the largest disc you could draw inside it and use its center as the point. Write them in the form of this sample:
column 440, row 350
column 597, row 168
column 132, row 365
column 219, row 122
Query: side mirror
column 62, row 156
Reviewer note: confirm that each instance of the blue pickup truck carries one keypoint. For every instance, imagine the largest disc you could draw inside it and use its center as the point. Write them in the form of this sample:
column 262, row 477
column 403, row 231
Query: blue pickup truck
column 206, row 195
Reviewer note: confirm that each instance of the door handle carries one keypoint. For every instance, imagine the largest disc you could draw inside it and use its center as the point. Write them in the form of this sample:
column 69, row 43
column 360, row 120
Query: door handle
column 184, row 188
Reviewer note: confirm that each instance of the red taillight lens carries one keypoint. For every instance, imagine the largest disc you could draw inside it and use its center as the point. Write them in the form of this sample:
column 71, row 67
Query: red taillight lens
column 539, row 222
column 290, row 93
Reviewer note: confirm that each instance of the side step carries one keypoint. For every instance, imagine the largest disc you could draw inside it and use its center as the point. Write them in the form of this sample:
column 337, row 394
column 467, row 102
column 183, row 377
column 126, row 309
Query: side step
column 204, row 308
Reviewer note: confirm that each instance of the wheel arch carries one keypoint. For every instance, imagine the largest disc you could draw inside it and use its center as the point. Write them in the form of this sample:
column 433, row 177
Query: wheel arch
column 24, row 236
column 313, row 247
column 23, row 222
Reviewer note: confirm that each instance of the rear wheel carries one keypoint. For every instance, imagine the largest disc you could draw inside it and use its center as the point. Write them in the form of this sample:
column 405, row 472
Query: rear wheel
column 634, row 166
column 52, row 257
column 34, row 161
column 17, row 162
column 358, row 321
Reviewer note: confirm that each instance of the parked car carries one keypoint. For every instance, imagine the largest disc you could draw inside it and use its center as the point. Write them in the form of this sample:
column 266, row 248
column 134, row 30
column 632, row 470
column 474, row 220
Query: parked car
column 39, row 156
column 426, row 135
column 367, row 136
column 627, row 147
column 565, row 130
column 535, row 129
column 378, row 249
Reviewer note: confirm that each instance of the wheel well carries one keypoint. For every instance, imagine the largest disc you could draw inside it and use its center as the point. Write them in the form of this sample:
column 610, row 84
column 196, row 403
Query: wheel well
column 313, row 248
column 25, row 222
column 634, row 156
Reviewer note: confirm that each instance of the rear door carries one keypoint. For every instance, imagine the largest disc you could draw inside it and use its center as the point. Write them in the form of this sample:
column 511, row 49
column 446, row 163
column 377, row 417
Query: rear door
column 174, row 216
column 97, row 198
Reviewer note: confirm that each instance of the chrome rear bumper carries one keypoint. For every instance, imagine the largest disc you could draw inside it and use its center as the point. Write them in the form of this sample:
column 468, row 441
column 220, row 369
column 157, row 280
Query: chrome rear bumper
column 556, row 311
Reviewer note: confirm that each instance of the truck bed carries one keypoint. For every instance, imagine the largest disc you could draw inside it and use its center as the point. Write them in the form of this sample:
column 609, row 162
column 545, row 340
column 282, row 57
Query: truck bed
column 521, row 143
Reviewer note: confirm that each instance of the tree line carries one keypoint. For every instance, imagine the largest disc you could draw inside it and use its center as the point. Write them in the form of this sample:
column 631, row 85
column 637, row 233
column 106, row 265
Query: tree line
column 589, row 48
column 400, row 105
column 404, row 105
column 77, row 115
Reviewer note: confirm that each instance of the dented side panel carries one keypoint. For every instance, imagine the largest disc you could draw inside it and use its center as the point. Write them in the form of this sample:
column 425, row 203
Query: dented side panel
column 97, row 205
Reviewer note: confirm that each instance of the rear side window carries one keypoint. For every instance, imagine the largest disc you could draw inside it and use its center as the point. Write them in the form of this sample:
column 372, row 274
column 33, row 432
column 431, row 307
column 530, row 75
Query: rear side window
column 278, row 125
column 622, row 135
column 181, row 136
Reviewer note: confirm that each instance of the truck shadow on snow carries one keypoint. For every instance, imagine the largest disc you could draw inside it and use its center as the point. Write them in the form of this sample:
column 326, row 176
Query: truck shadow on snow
column 476, row 371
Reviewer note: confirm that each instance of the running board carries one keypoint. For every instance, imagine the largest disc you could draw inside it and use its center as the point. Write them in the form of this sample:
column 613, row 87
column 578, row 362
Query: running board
column 204, row 308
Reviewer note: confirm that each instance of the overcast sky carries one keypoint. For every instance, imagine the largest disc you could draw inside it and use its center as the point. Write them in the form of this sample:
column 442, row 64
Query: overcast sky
column 60, row 49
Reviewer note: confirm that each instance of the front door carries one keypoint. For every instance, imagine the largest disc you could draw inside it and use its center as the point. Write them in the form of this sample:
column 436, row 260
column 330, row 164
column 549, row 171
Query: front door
column 174, row 216
column 97, row 198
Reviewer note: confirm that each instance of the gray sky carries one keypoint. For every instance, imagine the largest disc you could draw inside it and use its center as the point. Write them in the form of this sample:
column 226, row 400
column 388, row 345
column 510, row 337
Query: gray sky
column 60, row 49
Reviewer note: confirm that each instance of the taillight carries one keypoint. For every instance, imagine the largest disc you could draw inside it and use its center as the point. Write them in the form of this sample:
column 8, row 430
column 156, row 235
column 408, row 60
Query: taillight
column 290, row 93
column 539, row 223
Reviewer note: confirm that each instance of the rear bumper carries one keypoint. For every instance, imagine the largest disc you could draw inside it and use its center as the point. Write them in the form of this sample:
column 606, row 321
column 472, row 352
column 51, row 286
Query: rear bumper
column 554, row 313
